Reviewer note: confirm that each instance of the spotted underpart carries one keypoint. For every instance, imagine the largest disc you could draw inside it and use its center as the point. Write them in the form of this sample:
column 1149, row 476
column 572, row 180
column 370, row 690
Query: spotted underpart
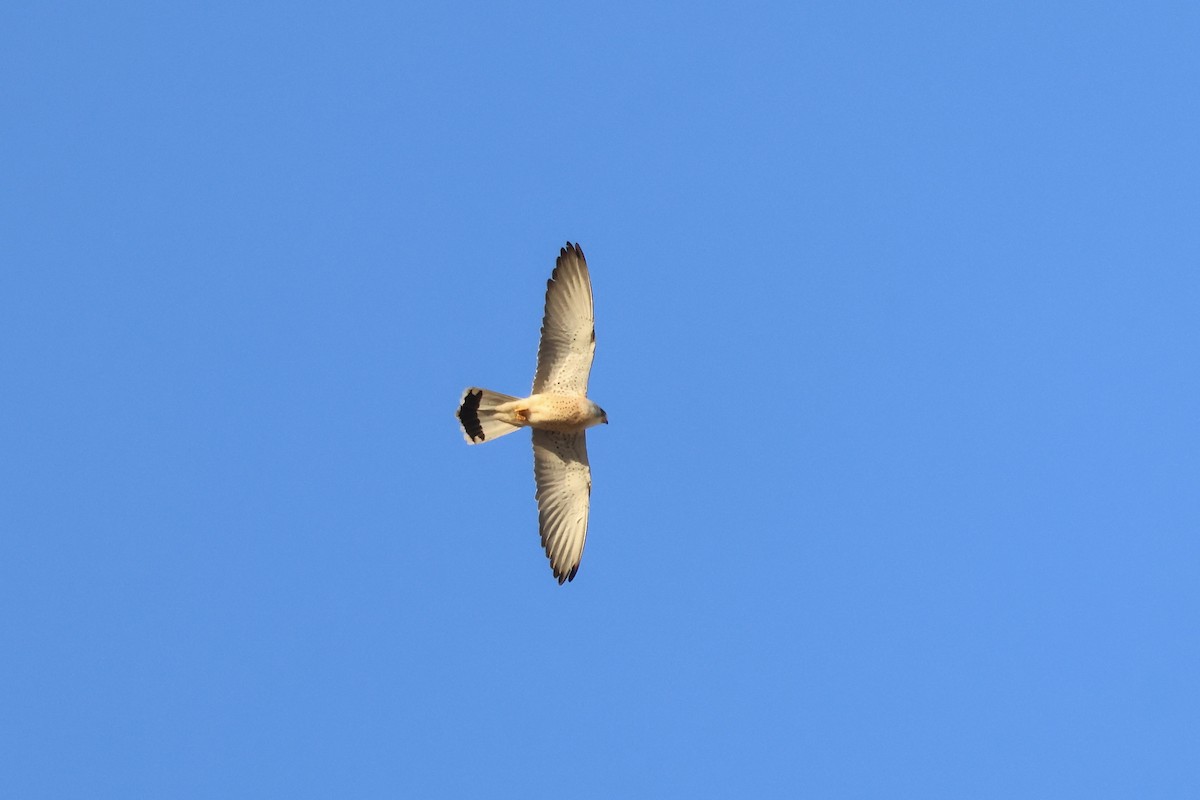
column 468, row 415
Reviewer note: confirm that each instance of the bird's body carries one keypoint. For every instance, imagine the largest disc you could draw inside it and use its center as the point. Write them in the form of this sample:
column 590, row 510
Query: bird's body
column 558, row 411
column 565, row 413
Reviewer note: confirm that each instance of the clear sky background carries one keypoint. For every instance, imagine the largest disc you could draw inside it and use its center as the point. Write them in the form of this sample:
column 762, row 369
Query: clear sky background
column 897, row 321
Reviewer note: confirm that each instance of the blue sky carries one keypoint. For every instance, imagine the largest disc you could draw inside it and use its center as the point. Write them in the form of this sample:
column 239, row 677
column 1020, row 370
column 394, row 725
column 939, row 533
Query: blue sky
column 897, row 331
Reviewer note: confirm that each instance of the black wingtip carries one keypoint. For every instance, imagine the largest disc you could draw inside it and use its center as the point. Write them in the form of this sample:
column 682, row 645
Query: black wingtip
column 564, row 576
column 571, row 249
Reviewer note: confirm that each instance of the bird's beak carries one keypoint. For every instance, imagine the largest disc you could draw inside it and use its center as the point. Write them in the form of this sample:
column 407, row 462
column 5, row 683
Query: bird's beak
column 606, row 419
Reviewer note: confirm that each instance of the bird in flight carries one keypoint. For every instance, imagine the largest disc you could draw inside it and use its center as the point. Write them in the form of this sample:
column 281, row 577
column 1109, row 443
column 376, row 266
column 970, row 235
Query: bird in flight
column 557, row 410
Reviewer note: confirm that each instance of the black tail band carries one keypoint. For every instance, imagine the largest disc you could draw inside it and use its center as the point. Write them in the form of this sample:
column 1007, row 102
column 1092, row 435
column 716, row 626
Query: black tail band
column 468, row 415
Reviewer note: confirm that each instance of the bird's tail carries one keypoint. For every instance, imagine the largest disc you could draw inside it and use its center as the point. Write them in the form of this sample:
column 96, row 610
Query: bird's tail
column 479, row 416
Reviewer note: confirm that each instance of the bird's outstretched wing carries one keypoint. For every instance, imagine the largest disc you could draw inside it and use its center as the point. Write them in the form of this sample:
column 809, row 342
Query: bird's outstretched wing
column 568, row 328
column 564, row 488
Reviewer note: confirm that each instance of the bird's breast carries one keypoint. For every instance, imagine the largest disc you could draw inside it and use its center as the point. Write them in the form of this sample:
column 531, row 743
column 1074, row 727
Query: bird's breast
column 559, row 412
